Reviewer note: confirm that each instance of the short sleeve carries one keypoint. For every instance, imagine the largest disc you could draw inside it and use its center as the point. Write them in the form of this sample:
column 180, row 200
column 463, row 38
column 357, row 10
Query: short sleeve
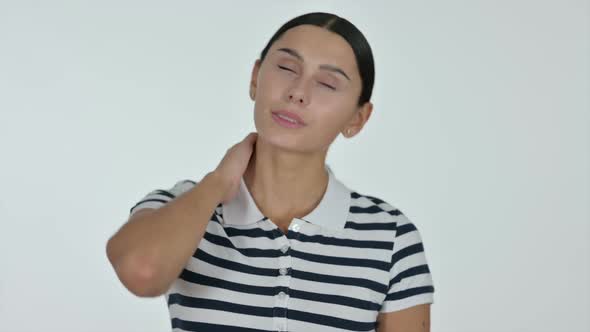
column 410, row 278
column 158, row 197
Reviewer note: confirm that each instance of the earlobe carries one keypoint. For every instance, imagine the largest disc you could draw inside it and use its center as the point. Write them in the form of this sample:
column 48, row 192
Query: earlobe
column 360, row 118
column 348, row 133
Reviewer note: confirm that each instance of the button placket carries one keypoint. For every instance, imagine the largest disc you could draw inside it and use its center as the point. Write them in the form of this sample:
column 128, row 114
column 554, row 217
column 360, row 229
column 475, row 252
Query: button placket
column 281, row 327
column 295, row 226
column 285, row 248
column 282, row 297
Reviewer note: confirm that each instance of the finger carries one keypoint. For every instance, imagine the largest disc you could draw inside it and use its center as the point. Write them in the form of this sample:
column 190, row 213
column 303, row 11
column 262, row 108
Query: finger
column 251, row 136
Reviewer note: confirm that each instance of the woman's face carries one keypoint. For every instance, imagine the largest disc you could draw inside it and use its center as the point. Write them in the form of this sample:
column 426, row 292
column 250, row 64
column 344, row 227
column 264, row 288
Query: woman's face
column 312, row 73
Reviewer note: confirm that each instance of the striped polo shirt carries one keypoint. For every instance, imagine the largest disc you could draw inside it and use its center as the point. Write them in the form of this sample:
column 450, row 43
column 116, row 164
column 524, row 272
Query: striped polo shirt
column 336, row 268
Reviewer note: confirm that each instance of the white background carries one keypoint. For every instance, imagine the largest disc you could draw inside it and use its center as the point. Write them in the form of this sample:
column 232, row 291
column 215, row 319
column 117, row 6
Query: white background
column 480, row 135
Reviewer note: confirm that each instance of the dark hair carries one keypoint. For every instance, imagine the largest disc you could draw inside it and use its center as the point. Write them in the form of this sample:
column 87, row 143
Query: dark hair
column 354, row 37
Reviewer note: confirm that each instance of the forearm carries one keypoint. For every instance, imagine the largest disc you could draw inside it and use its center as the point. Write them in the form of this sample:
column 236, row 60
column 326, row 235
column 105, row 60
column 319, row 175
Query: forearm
column 149, row 252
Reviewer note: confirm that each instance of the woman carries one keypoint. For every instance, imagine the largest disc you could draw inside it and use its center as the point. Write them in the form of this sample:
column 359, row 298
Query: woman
column 271, row 240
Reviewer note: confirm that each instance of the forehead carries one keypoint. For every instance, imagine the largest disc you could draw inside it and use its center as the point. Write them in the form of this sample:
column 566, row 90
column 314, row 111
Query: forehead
column 318, row 46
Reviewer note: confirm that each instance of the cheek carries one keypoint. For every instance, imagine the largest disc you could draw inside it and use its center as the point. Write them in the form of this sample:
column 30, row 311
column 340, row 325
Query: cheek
column 271, row 84
column 333, row 118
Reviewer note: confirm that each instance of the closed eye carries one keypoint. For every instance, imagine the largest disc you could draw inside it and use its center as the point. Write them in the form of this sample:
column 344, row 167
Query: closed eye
column 291, row 70
column 329, row 86
column 285, row 68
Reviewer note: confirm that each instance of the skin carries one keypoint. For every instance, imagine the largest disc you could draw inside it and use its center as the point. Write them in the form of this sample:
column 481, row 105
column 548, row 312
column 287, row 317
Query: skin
column 286, row 174
column 283, row 168
column 412, row 319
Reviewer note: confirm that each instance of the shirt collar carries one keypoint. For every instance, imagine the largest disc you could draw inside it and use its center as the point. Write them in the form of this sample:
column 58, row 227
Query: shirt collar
column 331, row 212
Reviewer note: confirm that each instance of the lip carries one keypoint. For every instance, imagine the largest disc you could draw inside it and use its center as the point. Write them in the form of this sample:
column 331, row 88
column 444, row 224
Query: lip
column 285, row 123
column 290, row 115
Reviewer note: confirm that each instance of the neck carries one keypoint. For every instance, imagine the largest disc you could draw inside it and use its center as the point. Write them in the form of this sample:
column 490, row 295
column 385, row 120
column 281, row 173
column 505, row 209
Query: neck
column 285, row 184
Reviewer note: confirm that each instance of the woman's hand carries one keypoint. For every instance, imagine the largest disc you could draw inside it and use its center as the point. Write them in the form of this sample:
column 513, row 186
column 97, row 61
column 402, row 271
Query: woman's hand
column 234, row 164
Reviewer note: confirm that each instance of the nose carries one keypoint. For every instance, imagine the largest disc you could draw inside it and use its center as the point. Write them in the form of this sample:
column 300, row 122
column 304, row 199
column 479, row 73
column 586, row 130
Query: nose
column 298, row 94
column 296, row 98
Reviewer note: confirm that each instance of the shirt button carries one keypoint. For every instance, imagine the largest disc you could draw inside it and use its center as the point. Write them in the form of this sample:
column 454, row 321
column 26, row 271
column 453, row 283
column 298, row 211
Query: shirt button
column 285, row 248
column 282, row 295
column 295, row 227
column 283, row 271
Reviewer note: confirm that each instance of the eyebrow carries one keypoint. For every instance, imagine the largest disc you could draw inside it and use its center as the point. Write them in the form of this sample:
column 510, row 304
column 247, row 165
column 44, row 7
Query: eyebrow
column 296, row 54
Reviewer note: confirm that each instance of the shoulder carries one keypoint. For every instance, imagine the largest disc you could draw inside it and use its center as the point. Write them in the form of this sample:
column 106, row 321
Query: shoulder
column 386, row 221
column 410, row 282
column 176, row 189
column 369, row 209
column 160, row 196
column 182, row 186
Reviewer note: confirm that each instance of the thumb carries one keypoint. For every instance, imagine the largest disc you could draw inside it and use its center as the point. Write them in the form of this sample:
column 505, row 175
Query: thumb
column 251, row 136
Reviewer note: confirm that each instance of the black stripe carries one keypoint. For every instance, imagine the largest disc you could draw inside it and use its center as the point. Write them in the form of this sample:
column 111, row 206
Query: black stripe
column 148, row 200
column 252, row 232
column 373, row 226
column 215, row 217
column 196, row 302
column 403, row 229
column 325, row 320
column 407, row 251
column 330, row 279
column 373, row 209
column 416, row 270
column 345, row 261
column 249, row 252
column 395, row 212
column 164, row 193
column 354, row 194
column 345, row 242
column 371, row 198
column 232, row 265
column 202, row 279
column 409, row 292
column 378, row 201
column 206, row 327
column 375, row 200
column 336, row 299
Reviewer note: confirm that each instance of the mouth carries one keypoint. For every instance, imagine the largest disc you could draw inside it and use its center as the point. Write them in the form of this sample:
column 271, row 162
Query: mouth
column 287, row 119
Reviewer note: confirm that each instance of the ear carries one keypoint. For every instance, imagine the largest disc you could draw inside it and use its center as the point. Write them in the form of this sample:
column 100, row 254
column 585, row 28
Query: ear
column 254, row 79
column 358, row 120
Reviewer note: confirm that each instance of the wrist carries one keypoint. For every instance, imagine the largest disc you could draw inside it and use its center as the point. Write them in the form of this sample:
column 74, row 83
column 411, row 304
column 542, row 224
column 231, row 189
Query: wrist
column 218, row 183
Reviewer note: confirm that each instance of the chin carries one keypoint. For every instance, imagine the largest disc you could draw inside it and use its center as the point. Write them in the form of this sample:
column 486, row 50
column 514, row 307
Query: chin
column 288, row 139
column 283, row 139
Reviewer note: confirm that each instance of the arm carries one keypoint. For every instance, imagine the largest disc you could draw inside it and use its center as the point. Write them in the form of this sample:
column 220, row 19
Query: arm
column 151, row 249
column 412, row 319
column 407, row 305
